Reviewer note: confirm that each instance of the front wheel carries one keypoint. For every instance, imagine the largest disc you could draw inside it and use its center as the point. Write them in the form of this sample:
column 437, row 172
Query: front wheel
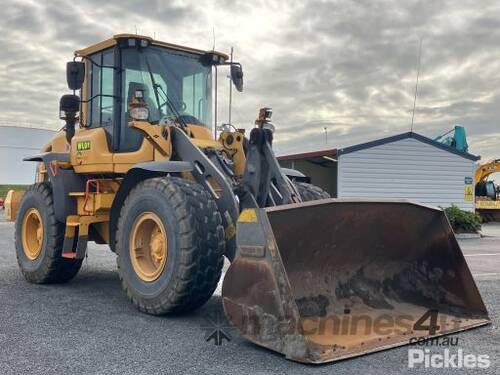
column 170, row 245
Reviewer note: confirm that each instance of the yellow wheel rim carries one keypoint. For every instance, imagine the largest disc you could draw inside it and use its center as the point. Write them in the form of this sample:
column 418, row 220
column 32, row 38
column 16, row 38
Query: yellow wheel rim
column 32, row 231
column 148, row 246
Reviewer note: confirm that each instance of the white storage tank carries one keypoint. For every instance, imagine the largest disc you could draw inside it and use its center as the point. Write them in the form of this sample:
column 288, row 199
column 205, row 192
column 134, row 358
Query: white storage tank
column 17, row 142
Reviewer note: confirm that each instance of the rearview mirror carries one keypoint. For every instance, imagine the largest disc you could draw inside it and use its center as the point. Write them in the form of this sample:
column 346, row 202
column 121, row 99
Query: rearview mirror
column 237, row 76
column 75, row 72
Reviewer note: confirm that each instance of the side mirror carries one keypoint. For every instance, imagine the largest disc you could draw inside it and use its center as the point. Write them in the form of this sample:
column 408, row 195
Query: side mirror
column 75, row 73
column 237, row 76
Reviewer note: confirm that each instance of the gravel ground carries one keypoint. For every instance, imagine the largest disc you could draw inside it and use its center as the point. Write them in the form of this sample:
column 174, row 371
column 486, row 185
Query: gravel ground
column 88, row 326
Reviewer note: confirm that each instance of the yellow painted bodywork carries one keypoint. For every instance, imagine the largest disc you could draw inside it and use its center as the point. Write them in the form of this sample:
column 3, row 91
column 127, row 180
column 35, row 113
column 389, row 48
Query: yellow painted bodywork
column 96, row 158
column 111, row 42
column 248, row 215
column 58, row 143
column 95, row 203
column 91, row 151
column 487, row 204
column 11, row 204
column 82, row 223
column 99, row 159
column 32, row 233
column 159, row 136
column 148, row 233
column 234, row 150
column 202, row 137
column 41, row 172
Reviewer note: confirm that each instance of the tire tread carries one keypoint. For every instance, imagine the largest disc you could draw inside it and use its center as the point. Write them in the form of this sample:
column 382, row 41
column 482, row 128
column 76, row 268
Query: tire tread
column 54, row 268
column 201, row 246
column 310, row 192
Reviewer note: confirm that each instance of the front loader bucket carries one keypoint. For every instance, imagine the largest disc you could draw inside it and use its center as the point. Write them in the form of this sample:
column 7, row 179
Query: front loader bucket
column 332, row 279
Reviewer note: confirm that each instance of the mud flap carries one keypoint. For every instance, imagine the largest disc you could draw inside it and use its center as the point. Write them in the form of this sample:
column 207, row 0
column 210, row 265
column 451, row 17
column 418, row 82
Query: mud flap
column 331, row 279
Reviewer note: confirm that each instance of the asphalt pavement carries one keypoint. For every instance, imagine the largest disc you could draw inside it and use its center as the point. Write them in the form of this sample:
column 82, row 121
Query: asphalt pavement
column 89, row 327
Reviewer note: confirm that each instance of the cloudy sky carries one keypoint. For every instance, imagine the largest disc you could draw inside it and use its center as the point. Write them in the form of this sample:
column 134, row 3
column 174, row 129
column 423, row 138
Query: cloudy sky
column 349, row 66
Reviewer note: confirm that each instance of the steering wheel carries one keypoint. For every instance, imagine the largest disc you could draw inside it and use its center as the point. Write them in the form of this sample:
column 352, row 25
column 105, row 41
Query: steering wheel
column 167, row 120
column 183, row 105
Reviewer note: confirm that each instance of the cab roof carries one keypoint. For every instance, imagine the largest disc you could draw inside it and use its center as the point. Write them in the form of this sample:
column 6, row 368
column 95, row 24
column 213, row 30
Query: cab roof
column 114, row 41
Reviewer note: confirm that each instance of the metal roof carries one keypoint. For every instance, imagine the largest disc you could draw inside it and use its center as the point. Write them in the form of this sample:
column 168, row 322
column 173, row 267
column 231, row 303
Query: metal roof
column 114, row 40
column 398, row 137
column 306, row 155
column 323, row 158
column 334, row 153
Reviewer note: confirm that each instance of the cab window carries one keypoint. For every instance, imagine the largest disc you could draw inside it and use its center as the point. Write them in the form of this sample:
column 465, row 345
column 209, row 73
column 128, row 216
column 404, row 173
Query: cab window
column 176, row 86
column 193, row 95
column 101, row 105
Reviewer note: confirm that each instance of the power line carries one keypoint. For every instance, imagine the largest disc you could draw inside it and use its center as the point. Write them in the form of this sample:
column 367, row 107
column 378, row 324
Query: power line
column 416, row 85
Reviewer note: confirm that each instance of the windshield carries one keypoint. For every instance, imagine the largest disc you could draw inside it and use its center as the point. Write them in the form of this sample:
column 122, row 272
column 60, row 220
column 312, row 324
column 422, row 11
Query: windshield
column 175, row 84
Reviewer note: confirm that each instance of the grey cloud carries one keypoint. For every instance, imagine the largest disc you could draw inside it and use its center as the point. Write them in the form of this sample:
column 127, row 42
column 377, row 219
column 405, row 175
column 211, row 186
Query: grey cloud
column 346, row 65
column 21, row 17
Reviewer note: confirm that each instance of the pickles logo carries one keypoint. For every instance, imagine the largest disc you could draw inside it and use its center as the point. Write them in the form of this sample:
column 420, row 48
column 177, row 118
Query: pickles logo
column 424, row 358
column 83, row 145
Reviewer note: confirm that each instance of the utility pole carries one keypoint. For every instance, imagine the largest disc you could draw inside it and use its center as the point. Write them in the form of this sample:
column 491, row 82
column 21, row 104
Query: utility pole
column 230, row 90
column 326, row 136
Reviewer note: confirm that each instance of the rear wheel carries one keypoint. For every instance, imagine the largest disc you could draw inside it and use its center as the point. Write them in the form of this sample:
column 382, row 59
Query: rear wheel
column 170, row 245
column 39, row 239
column 310, row 192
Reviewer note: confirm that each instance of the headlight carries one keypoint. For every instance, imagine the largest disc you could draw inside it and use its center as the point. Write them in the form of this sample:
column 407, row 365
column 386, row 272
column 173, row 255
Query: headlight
column 139, row 113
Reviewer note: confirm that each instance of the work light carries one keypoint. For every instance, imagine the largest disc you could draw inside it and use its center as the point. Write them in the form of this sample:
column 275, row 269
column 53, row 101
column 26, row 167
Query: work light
column 139, row 113
column 138, row 109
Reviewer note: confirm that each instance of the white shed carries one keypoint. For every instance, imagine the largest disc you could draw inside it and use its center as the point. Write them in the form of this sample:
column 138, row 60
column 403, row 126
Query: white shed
column 410, row 166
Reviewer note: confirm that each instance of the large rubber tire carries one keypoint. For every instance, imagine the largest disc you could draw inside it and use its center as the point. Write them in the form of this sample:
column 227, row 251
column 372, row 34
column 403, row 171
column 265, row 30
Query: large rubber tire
column 49, row 266
column 195, row 238
column 310, row 192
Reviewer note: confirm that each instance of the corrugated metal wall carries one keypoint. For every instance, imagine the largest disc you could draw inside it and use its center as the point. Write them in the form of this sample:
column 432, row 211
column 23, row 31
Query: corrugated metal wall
column 406, row 168
column 15, row 144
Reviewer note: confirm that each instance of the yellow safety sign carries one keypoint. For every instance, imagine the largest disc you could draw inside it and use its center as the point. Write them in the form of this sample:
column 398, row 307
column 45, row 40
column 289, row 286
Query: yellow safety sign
column 469, row 192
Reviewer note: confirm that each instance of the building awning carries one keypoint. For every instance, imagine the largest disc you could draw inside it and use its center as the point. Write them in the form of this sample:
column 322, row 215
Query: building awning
column 323, row 157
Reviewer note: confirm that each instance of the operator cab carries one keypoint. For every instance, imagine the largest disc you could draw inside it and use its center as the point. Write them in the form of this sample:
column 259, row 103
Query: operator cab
column 175, row 83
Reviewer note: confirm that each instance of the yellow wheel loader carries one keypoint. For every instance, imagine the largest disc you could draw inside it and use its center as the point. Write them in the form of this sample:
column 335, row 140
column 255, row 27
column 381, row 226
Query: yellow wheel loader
column 137, row 167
